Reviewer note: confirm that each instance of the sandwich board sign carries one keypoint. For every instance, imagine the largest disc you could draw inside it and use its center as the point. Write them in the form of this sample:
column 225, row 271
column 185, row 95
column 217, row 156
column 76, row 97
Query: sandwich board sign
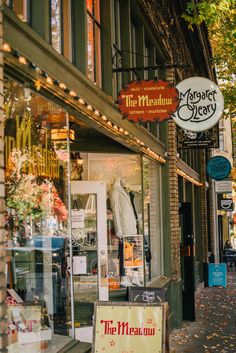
column 129, row 327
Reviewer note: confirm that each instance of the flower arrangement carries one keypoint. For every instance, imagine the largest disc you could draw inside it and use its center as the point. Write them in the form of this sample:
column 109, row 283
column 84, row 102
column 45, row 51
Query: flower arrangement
column 28, row 196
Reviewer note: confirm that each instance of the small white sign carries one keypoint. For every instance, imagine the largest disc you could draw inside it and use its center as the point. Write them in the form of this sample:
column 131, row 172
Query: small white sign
column 77, row 218
column 79, row 265
column 201, row 104
column 224, row 186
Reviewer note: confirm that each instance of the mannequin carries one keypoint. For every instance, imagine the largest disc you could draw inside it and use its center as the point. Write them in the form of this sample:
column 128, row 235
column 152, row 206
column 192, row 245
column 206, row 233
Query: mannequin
column 124, row 221
column 123, row 212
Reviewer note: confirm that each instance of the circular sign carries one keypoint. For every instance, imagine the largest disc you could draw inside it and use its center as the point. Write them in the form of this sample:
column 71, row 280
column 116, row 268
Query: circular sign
column 201, row 104
column 218, row 168
column 142, row 101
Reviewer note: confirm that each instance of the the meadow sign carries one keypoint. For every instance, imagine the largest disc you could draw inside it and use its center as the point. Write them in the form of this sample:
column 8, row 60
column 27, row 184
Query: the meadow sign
column 129, row 327
column 142, row 101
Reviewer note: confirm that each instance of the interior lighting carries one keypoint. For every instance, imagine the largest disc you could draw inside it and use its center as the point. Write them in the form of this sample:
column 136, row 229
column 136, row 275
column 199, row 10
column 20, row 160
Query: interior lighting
column 109, row 123
column 6, row 47
column 115, row 127
column 97, row 113
column 22, row 60
column 121, row 129
column 126, row 132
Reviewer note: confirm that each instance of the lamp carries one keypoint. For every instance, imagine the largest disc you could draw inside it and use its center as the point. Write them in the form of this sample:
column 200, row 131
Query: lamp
column 61, row 134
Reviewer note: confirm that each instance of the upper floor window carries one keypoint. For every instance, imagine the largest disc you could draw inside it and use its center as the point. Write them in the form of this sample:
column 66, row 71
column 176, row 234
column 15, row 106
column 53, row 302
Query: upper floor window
column 61, row 27
column 20, row 8
column 56, row 24
column 93, row 41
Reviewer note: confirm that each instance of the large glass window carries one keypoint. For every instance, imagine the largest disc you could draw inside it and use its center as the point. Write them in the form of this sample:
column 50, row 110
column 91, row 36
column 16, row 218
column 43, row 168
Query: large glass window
column 123, row 178
column 93, row 41
column 37, row 227
column 152, row 219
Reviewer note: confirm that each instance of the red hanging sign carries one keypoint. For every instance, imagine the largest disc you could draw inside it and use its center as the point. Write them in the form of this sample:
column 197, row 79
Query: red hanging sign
column 142, row 101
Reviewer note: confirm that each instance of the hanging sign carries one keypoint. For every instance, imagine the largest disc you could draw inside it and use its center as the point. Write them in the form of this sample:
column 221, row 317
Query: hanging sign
column 131, row 327
column 226, row 204
column 203, row 139
column 218, row 168
column 201, row 104
column 143, row 101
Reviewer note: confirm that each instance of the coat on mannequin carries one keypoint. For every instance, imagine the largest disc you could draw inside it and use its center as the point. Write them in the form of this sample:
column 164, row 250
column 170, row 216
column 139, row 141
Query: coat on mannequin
column 123, row 212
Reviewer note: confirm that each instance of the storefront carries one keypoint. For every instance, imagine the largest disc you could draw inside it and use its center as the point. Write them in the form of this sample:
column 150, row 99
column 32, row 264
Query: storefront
column 80, row 225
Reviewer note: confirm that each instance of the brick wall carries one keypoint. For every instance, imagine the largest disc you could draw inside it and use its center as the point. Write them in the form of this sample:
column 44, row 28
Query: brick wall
column 3, row 335
column 174, row 202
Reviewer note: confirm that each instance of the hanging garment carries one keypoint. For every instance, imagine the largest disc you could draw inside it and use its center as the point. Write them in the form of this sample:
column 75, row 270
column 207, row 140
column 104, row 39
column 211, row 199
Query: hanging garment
column 123, row 213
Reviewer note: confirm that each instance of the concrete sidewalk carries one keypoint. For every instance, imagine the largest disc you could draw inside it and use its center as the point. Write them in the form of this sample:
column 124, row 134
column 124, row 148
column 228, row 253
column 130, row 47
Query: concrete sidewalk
column 215, row 327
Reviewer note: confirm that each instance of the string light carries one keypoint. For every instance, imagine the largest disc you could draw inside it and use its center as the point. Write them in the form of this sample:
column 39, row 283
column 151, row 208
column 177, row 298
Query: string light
column 89, row 107
column 72, row 93
column 62, row 85
column 188, row 177
column 22, row 60
column 81, row 101
column 49, row 80
column 6, row 47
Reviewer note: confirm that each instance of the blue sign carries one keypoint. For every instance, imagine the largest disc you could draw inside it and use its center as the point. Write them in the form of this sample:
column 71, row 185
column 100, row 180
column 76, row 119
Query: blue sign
column 217, row 275
column 218, row 168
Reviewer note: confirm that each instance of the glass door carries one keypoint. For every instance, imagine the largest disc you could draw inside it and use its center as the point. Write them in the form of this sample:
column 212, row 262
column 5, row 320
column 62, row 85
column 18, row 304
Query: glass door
column 89, row 249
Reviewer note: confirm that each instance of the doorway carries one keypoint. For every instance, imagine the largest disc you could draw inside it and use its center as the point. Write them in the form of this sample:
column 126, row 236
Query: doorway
column 187, row 261
column 89, row 241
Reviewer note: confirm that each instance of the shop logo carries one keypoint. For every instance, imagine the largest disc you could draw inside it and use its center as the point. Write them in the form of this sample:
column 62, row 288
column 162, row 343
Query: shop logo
column 218, row 168
column 142, row 101
column 201, row 104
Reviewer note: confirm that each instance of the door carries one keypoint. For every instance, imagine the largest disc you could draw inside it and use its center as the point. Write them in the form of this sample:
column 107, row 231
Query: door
column 89, row 248
column 187, row 261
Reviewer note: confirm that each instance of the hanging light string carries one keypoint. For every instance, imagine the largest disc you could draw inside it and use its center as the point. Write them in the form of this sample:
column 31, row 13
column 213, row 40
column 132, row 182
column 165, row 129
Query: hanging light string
column 188, row 177
column 70, row 96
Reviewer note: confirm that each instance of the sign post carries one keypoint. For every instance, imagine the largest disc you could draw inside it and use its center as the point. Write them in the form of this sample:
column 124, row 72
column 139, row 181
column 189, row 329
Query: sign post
column 217, row 275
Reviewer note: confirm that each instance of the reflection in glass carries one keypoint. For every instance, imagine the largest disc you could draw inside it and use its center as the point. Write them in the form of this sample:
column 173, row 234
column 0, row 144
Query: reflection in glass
column 85, row 264
column 56, row 24
column 36, row 222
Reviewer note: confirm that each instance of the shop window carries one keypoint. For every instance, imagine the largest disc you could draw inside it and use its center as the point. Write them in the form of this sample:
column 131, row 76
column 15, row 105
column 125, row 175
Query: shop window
column 124, row 213
column 93, row 41
column 152, row 220
column 37, row 204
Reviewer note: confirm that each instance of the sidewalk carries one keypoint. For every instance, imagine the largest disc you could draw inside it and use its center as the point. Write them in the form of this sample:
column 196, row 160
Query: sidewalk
column 215, row 326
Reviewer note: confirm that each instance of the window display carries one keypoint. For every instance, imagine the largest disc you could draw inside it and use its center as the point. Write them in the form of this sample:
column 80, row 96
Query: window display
column 36, row 222
column 122, row 174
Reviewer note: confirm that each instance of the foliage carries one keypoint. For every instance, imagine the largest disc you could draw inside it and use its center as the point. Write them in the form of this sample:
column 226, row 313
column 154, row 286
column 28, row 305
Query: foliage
column 220, row 18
